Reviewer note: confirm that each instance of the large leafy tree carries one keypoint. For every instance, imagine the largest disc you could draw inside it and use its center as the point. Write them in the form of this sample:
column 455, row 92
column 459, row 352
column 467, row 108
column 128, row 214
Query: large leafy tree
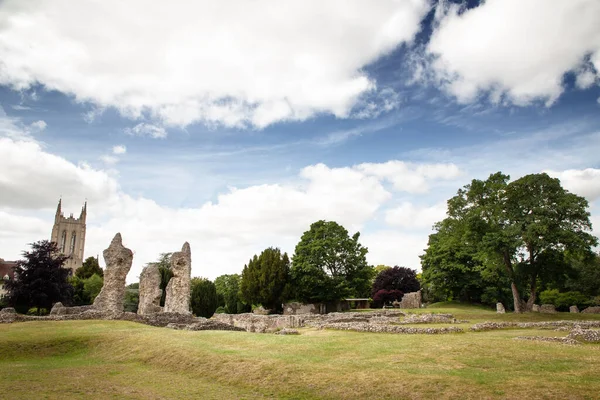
column 89, row 267
column 329, row 265
column 40, row 280
column 265, row 278
column 228, row 290
column 520, row 227
column 204, row 300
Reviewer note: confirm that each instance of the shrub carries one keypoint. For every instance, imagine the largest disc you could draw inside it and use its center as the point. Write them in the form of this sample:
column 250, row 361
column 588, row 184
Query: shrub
column 564, row 300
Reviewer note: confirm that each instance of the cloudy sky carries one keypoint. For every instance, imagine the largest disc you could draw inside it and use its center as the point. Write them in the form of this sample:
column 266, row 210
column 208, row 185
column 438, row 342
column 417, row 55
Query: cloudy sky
column 236, row 124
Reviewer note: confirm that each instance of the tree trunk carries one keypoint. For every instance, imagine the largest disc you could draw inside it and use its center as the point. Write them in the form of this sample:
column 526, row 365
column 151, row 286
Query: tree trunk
column 533, row 292
column 515, row 292
column 516, row 298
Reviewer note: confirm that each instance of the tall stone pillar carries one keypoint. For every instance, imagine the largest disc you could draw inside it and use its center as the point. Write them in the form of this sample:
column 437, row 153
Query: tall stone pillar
column 118, row 263
column 178, row 290
column 150, row 292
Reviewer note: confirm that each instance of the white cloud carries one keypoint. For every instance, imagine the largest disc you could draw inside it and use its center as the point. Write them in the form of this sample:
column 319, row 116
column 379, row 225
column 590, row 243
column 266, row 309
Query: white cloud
column 119, row 149
column 385, row 101
column 410, row 177
column 145, row 129
column 407, row 215
column 38, row 126
column 390, row 247
column 108, row 159
column 31, row 178
column 584, row 182
column 232, row 62
column 516, row 51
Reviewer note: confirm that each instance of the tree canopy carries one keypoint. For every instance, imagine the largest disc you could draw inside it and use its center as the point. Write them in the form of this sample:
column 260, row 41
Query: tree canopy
column 89, row 267
column 523, row 228
column 391, row 284
column 203, row 297
column 228, row 288
column 264, row 279
column 329, row 265
column 40, row 280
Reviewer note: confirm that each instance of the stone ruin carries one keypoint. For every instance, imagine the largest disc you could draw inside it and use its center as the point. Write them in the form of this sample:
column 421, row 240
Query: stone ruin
column 150, row 291
column 108, row 305
column 500, row 308
column 574, row 309
column 411, row 300
column 178, row 289
column 548, row 309
column 118, row 260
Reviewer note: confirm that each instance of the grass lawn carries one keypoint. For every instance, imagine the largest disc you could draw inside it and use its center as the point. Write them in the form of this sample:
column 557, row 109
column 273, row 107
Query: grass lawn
column 117, row 359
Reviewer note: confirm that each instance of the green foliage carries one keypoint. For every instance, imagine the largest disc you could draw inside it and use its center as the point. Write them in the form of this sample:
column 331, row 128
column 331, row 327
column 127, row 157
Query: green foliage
column 132, row 300
column 586, row 274
column 522, row 228
column 564, row 300
column 329, row 265
column 92, row 286
column 228, row 291
column 264, row 279
column 85, row 290
column 89, row 267
column 203, row 297
column 221, row 310
column 40, row 280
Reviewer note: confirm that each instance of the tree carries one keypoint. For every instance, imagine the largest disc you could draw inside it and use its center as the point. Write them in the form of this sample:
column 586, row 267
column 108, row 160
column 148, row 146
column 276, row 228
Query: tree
column 93, row 286
column 203, row 297
column 264, row 279
column 228, row 288
column 132, row 297
column 89, row 267
column 40, row 280
column 329, row 265
column 391, row 284
column 520, row 227
column 85, row 290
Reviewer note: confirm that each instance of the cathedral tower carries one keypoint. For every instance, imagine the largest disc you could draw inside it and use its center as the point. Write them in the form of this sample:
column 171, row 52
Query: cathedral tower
column 69, row 235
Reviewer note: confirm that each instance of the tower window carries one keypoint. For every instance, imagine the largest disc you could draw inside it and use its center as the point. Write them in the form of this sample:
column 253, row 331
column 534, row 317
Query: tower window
column 73, row 239
column 63, row 242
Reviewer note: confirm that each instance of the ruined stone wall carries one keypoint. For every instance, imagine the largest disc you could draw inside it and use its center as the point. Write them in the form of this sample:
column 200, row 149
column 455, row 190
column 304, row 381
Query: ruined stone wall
column 150, row 291
column 296, row 308
column 118, row 260
column 178, row 290
column 411, row 300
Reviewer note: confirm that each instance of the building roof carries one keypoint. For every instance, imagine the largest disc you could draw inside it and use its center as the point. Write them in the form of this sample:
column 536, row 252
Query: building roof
column 6, row 268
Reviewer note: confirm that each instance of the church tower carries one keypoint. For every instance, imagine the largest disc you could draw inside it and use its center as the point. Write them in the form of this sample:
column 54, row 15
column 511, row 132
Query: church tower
column 69, row 235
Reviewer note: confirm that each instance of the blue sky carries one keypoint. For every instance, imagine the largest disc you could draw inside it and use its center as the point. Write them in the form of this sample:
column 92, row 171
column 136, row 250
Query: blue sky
column 234, row 126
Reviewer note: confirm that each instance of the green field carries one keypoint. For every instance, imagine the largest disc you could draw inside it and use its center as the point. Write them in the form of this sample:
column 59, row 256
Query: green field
column 117, row 359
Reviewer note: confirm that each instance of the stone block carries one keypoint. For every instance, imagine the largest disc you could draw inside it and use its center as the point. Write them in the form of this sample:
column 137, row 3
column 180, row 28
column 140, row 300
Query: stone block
column 548, row 309
column 574, row 309
column 500, row 308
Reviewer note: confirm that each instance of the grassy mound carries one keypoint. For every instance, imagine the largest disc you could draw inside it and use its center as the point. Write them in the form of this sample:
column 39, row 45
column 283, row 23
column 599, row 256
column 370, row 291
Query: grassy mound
column 117, row 359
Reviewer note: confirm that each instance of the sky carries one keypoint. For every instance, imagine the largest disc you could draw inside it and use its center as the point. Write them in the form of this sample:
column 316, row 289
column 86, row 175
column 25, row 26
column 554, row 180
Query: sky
column 234, row 125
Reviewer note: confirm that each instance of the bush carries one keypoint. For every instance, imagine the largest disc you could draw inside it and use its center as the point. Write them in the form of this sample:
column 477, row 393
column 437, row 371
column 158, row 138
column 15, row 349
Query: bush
column 221, row 310
column 36, row 311
column 562, row 301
